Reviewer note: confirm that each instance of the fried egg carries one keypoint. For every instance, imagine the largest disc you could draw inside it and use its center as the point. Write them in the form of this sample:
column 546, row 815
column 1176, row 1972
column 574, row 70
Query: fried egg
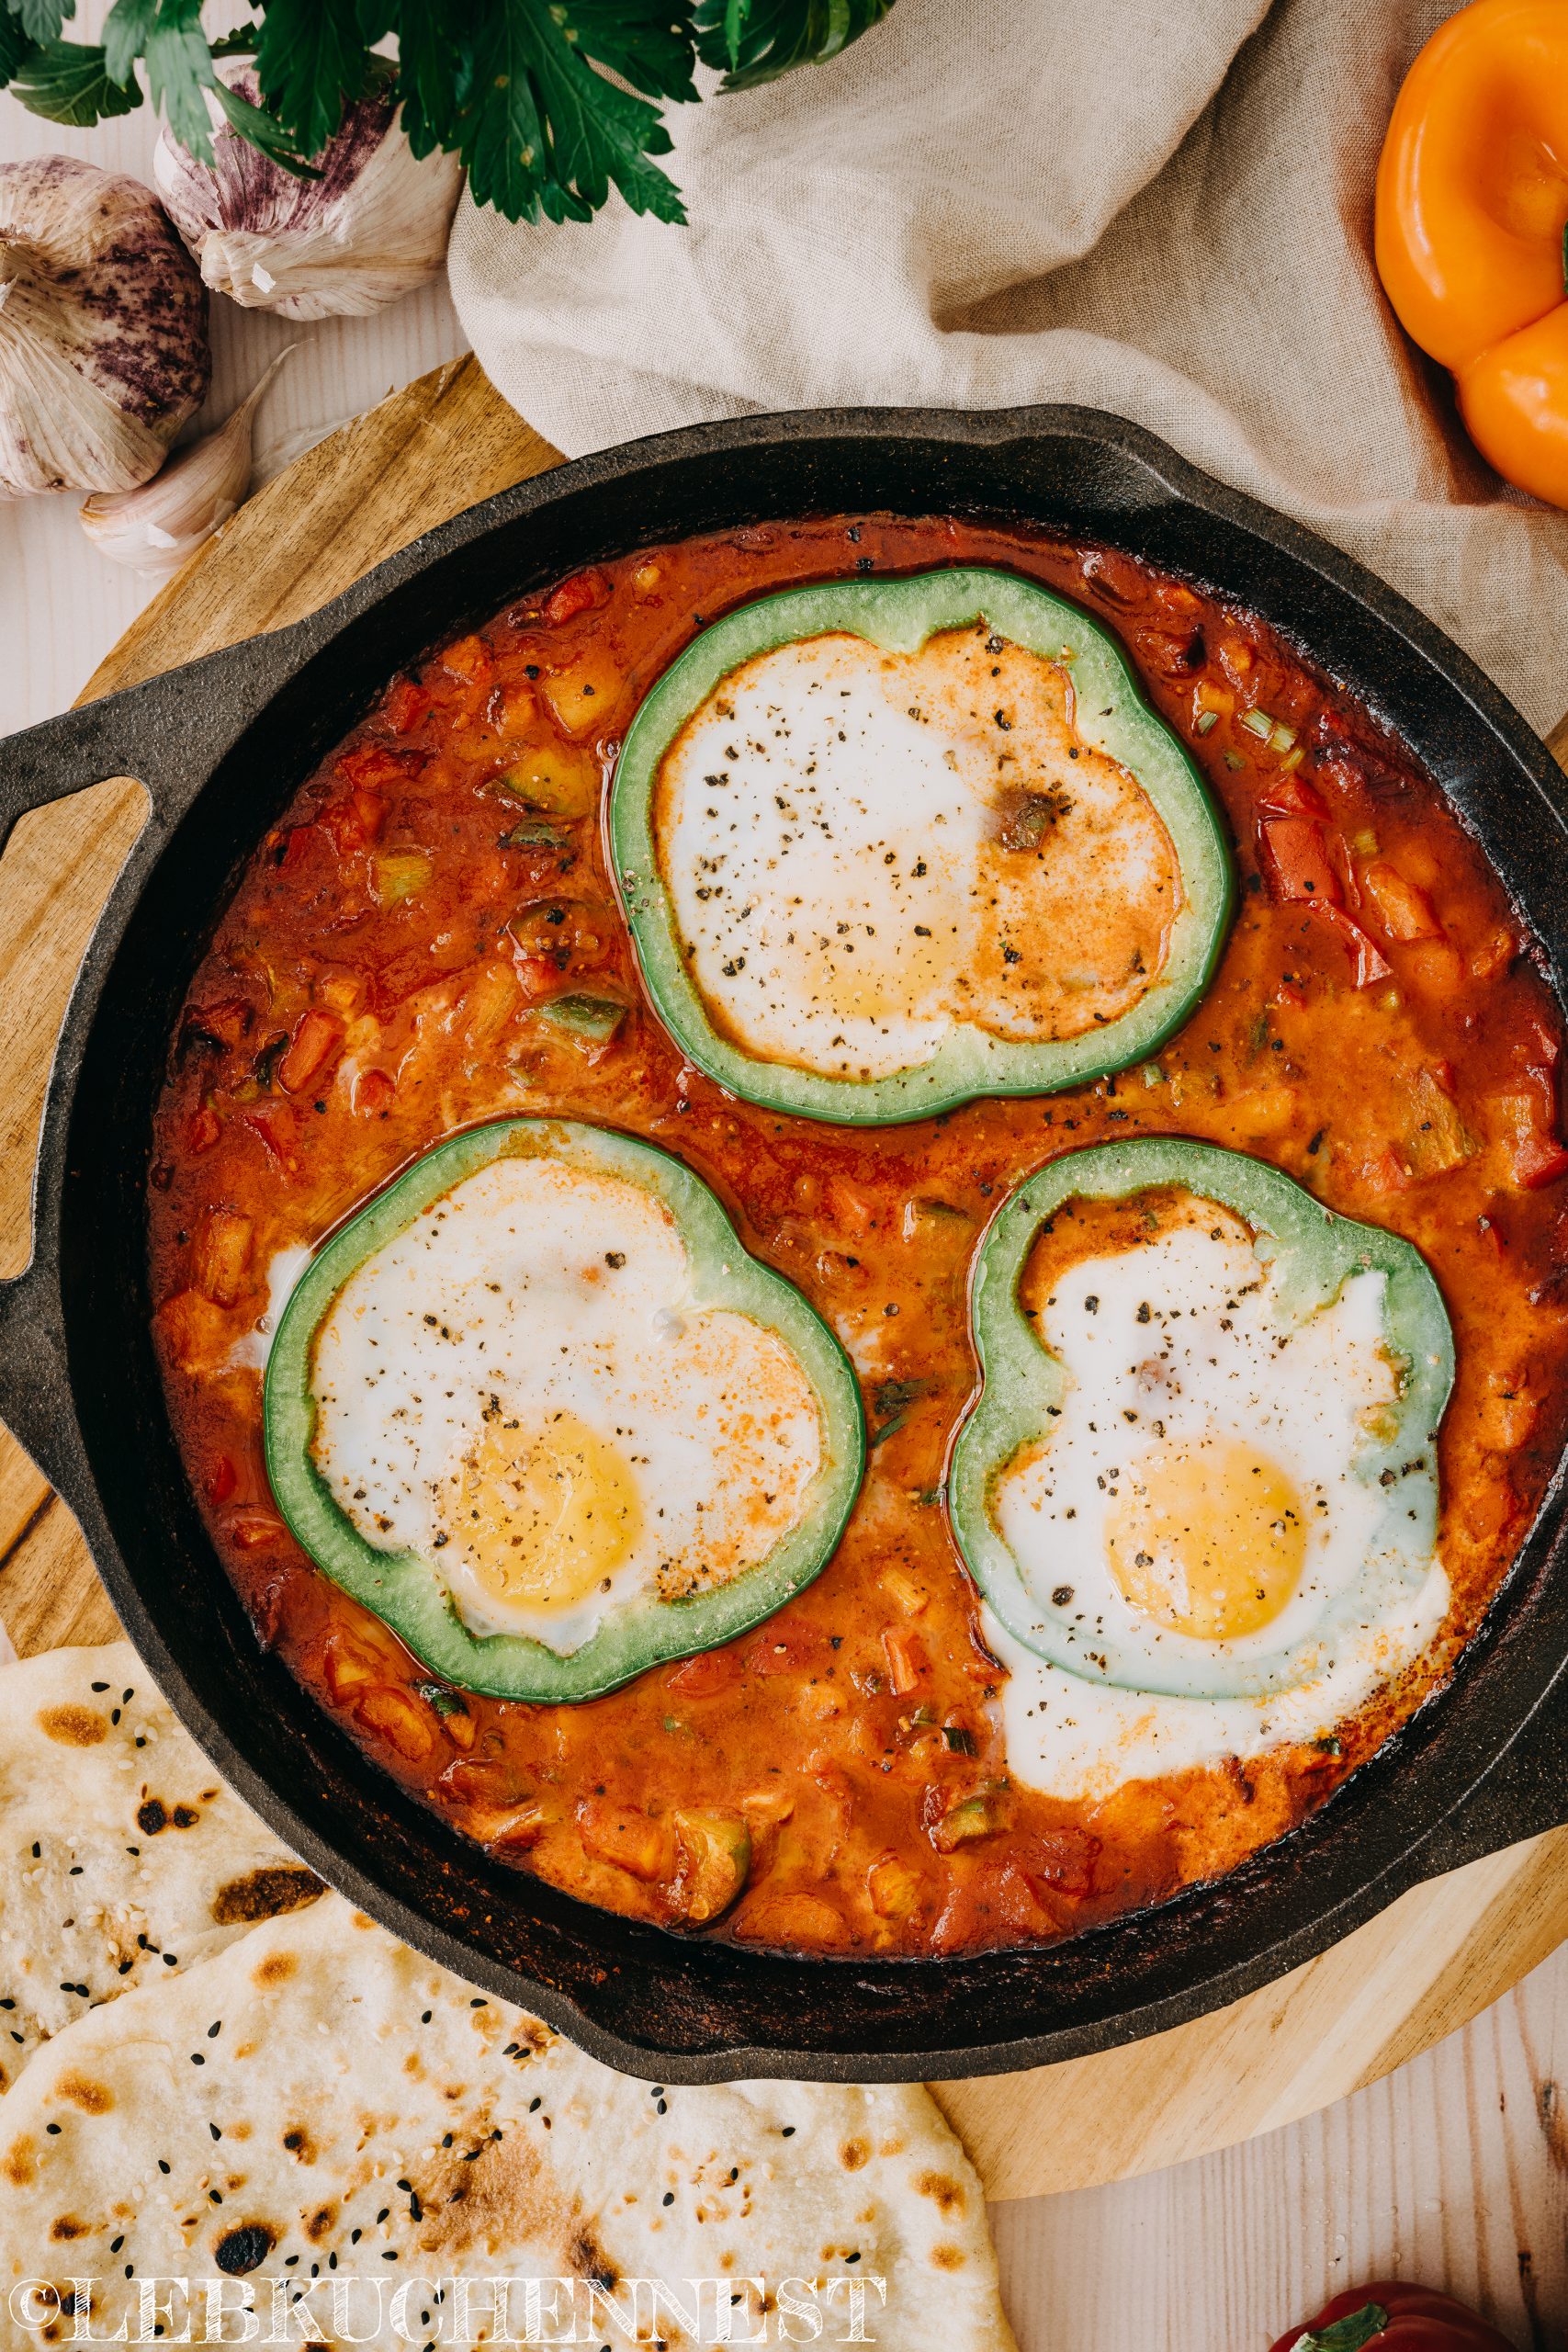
column 1210, row 1558
column 521, row 1388
column 867, row 852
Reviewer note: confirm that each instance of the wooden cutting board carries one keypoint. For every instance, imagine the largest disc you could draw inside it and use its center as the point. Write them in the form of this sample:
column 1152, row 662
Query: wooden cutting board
column 1430, row 1961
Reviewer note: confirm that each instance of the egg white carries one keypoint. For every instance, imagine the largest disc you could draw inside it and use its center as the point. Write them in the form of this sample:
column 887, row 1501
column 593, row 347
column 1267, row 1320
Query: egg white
column 827, row 827
column 1179, row 1342
column 537, row 1289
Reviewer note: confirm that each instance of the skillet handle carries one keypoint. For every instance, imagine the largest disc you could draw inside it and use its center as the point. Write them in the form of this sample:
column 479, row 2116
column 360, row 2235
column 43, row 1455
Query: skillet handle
column 169, row 732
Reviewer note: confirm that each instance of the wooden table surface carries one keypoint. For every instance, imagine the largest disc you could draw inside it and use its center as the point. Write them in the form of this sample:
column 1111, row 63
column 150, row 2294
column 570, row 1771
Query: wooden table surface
column 1454, row 2167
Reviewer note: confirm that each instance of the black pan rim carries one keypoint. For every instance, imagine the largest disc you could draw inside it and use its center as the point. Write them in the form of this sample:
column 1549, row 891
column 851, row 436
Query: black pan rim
column 1388, row 1860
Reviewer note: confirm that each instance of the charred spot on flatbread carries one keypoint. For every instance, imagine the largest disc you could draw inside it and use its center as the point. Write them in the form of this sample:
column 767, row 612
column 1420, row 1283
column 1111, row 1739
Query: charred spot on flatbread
column 947, row 2192
column 73, row 1726
column 92, row 2099
column 243, row 2249
column 263, row 1893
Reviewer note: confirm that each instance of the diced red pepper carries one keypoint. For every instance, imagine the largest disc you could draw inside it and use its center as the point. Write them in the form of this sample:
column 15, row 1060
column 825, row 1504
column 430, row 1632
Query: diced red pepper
column 278, row 1129
column 376, row 767
column 907, row 1660
column 468, row 659
column 703, row 1676
column 406, row 706
column 401, row 1721
column 254, row 1531
column 222, row 1255
column 296, row 846
column 356, row 822
column 1386, row 1173
column 223, row 1481
column 782, row 1647
column 1295, row 862
column 373, row 1092
column 1370, row 965
column 1291, row 796
column 578, row 595
column 634, row 1841
column 1063, row 1859
column 317, row 1040
column 203, row 1128
column 1530, row 1129
column 1491, row 1233
column 195, row 1331
column 1404, row 911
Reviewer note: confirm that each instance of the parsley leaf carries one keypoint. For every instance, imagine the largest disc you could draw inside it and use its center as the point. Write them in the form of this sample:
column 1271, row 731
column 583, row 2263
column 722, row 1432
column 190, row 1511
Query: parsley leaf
column 263, row 130
column 43, row 20
column 15, row 46
column 543, row 133
column 759, row 40
column 179, row 75
column 436, row 68
column 312, row 62
column 125, row 30
column 643, row 45
column 67, row 82
column 551, row 104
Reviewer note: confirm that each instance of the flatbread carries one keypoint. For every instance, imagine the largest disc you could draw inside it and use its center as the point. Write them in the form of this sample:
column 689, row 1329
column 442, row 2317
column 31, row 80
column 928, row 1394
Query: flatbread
column 318, row 2105
column 123, row 1856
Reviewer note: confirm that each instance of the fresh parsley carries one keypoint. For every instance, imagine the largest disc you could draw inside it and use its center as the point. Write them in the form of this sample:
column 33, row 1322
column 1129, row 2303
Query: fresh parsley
column 550, row 103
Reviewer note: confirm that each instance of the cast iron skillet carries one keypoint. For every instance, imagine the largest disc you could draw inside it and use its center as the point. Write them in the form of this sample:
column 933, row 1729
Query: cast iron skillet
column 221, row 746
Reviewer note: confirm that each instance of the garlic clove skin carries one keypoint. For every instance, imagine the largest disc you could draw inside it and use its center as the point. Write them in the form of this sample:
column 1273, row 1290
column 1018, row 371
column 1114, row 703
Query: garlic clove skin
column 371, row 229
column 103, row 329
column 158, row 527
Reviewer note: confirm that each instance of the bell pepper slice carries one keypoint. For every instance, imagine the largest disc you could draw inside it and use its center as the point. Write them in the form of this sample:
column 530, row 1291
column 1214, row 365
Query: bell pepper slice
column 1471, row 203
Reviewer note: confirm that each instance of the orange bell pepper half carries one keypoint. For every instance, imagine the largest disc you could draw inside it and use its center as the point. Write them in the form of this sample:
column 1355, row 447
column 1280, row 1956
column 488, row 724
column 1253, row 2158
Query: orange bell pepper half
column 1472, row 216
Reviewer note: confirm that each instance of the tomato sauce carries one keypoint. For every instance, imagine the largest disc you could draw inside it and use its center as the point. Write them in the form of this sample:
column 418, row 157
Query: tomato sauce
column 1379, row 1028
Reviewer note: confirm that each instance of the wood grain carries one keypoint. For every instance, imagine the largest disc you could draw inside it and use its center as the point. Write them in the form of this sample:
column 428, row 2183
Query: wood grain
column 1439, row 1956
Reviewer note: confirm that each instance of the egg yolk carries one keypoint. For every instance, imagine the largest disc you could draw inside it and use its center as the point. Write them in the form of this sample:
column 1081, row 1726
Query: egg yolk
column 544, row 1514
column 1206, row 1540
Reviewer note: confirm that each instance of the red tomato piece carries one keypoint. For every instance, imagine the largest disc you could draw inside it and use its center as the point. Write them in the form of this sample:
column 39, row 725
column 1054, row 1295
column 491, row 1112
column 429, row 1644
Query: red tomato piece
column 373, row 1092
column 1369, row 962
column 254, row 1531
column 376, row 767
column 317, row 1039
column 701, row 1677
column 1062, row 1859
column 203, row 1128
column 356, row 822
column 907, row 1660
column 1390, row 2317
column 406, row 706
column 1295, row 861
column 1404, row 911
column 223, row 1480
column 578, row 595
column 278, row 1129
column 634, row 1841
column 1530, row 1129
column 1291, row 796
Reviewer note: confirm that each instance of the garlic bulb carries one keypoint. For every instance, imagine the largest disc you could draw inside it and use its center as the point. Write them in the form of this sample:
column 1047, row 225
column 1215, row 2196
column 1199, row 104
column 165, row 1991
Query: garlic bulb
column 155, row 527
column 103, row 329
column 370, row 230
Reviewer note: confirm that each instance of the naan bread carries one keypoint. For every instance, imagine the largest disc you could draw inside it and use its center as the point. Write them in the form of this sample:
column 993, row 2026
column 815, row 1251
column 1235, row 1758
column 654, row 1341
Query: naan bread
column 123, row 1856
column 319, row 2104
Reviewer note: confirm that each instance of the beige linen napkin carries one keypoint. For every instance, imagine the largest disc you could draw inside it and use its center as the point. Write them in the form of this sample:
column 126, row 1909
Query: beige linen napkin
column 1161, row 211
